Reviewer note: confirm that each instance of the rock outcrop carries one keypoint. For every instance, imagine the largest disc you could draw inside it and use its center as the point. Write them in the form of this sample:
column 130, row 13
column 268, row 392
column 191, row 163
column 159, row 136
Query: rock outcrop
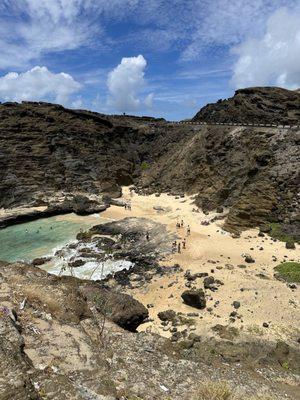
column 194, row 298
column 257, row 105
column 79, row 204
column 55, row 345
column 48, row 151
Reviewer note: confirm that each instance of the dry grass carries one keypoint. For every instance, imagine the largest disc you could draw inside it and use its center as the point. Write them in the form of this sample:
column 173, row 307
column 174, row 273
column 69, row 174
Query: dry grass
column 221, row 391
column 38, row 295
column 214, row 391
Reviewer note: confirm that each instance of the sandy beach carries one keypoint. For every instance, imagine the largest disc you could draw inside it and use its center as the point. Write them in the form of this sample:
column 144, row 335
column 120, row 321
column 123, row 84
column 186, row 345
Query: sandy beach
column 263, row 299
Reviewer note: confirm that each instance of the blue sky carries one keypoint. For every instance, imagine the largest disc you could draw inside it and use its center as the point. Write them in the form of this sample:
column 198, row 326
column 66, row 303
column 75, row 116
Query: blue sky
column 146, row 57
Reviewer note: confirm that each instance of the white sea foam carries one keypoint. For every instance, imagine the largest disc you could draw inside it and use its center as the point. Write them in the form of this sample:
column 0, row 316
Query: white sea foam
column 92, row 268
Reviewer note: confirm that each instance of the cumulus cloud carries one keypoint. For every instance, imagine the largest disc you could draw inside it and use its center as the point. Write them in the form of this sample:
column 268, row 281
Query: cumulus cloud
column 274, row 58
column 125, row 82
column 38, row 84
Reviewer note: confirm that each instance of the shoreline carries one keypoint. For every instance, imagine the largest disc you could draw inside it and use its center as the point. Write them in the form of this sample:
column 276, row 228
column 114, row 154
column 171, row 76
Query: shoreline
column 210, row 249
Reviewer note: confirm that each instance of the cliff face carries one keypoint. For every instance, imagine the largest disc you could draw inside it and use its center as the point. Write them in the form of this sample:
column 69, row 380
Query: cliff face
column 46, row 149
column 255, row 172
column 258, row 105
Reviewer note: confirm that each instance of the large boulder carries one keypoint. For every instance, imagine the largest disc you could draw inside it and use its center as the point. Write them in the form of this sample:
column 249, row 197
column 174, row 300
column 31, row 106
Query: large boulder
column 120, row 308
column 194, row 298
column 126, row 311
column 82, row 205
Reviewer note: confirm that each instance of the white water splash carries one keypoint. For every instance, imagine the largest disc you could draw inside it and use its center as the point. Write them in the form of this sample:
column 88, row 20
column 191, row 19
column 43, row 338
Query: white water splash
column 92, row 268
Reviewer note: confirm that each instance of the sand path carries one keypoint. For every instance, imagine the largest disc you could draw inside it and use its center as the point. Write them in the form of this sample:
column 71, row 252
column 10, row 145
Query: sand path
column 210, row 249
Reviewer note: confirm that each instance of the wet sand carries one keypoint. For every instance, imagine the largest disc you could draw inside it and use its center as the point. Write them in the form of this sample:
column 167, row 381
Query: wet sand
column 210, row 249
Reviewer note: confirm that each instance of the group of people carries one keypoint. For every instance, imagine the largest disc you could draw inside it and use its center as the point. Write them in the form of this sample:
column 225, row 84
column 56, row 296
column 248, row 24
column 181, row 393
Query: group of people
column 38, row 231
column 181, row 244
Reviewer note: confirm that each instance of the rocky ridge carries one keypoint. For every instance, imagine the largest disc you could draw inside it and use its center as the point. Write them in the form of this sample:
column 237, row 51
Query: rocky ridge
column 256, row 105
column 48, row 151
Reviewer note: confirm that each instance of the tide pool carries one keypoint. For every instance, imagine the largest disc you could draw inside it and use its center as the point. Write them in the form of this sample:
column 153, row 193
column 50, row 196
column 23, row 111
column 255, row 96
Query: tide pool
column 41, row 237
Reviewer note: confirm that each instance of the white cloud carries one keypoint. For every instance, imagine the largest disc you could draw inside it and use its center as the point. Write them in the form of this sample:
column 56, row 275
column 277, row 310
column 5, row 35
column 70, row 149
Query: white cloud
column 38, row 27
column 38, row 84
column 227, row 23
column 125, row 82
column 196, row 26
column 149, row 100
column 30, row 29
column 274, row 58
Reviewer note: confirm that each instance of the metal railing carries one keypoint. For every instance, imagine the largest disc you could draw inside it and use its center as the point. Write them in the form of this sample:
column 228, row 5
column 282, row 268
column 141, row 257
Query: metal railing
column 234, row 124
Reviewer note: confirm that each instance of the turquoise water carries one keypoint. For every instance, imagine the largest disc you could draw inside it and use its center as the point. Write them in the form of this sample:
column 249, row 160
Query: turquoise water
column 39, row 238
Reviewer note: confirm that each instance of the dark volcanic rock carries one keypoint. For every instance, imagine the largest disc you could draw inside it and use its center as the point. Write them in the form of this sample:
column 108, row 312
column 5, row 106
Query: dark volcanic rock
column 47, row 150
column 257, row 105
column 40, row 261
column 133, row 244
column 167, row 315
column 121, row 308
column 194, row 298
column 208, row 282
column 125, row 311
column 249, row 259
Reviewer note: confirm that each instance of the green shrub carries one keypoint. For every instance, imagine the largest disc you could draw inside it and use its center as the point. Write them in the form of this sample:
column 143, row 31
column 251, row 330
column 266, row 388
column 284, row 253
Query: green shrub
column 145, row 165
column 289, row 271
column 278, row 233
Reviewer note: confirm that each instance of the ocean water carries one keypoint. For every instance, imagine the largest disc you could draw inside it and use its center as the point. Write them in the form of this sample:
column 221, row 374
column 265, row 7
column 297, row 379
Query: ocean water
column 41, row 237
column 24, row 242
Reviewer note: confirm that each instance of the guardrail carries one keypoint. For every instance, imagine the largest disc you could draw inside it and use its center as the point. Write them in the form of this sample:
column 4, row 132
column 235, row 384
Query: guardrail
column 234, row 124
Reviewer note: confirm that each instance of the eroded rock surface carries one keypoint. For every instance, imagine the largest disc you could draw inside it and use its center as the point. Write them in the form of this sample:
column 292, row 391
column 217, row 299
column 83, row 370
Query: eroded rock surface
column 257, row 105
column 55, row 346
column 47, row 150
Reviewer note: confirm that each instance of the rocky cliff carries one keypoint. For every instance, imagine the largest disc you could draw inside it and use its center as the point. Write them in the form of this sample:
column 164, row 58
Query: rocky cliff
column 47, row 150
column 258, row 105
column 254, row 172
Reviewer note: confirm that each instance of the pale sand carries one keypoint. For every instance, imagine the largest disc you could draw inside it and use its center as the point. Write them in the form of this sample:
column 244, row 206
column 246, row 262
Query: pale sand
column 274, row 302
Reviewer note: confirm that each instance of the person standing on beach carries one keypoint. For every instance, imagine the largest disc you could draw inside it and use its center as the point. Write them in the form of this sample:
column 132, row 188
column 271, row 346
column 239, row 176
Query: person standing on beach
column 188, row 231
column 181, row 223
column 179, row 249
column 184, row 243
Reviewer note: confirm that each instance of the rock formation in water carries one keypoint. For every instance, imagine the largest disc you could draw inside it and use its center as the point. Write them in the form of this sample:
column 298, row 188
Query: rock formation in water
column 257, row 105
column 50, row 152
